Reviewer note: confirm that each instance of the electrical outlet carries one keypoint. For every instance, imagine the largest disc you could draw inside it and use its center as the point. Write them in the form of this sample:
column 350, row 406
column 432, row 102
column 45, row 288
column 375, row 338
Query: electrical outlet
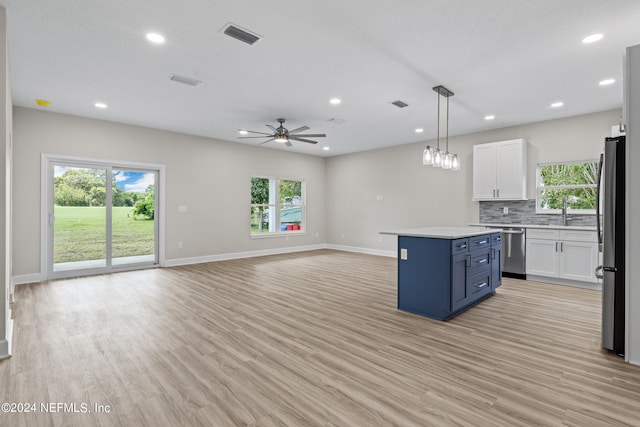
column 179, row 245
column 380, row 239
column 342, row 235
column 505, row 211
column 404, row 254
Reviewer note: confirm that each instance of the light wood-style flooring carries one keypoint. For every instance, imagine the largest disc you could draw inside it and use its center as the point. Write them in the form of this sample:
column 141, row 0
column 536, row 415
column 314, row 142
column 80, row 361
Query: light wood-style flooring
column 308, row 339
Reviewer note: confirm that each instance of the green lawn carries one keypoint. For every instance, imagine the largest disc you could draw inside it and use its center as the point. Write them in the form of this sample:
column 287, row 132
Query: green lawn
column 79, row 234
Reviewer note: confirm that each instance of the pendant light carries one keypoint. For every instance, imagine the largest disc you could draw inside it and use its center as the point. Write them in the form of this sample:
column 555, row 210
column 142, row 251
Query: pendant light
column 435, row 157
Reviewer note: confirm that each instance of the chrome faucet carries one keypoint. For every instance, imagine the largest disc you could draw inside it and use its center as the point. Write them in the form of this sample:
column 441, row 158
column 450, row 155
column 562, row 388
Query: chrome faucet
column 565, row 218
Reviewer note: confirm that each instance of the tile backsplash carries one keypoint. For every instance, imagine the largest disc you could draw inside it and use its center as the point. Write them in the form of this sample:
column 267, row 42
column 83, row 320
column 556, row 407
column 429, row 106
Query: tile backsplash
column 524, row 212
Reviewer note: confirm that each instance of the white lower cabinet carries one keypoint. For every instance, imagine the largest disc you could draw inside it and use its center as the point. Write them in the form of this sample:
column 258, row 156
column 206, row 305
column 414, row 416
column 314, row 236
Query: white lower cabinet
column 542, row 258
column 563, row 254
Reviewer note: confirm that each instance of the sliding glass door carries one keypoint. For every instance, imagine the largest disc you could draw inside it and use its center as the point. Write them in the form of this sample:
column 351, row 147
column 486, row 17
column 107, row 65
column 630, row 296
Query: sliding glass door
column 79, row 218
column 100, row 218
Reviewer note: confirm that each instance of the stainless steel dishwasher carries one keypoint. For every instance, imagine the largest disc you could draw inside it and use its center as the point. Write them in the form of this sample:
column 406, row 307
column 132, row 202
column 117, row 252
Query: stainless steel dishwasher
column 513, row 252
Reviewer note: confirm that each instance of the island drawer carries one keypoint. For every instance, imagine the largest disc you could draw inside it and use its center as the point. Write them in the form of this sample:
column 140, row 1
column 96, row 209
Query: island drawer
column 478, row 285
column 479, row 261
column 460, row 246
column 479, row 242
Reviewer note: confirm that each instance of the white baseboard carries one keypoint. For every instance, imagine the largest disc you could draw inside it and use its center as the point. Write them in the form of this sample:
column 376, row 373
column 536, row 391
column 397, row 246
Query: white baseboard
column 36, row 277
column 565, row 282
column 5, row 345
column 23, row 279
column 368, row 251
column 238, row 255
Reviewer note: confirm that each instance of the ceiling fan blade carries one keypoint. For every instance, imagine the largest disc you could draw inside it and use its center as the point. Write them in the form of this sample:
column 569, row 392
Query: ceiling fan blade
column 295, row 138
column 272, row 128
column 288, row 144
column 266, row 135
column 314, row 135
column 259, row 133
column 268, row 140
column 300, row 129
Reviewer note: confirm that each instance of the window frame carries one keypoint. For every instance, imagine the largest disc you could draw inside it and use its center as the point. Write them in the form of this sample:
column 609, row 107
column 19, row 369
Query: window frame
column 540, row 188
column 277, row 208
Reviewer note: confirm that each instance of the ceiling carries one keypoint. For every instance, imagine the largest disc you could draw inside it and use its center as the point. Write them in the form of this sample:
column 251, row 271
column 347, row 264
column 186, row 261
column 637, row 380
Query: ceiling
column 508, row 58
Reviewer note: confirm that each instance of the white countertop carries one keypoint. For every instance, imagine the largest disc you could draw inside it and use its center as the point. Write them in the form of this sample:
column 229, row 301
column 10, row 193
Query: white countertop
column 441, row 232
column 552, row 227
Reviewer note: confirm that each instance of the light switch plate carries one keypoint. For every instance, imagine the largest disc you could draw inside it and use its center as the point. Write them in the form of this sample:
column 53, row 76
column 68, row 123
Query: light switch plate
column 404, row 254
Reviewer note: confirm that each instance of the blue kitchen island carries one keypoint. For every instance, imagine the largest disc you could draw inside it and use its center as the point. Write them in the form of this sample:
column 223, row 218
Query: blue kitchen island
column 443, row 271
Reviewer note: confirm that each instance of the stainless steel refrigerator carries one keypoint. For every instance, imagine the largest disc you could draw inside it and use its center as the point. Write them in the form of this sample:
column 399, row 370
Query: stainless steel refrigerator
column 610, row 210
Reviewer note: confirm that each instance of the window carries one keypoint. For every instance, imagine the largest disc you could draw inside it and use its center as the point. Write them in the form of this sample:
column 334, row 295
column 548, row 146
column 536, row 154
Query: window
column 574, row 181
column 277, row 206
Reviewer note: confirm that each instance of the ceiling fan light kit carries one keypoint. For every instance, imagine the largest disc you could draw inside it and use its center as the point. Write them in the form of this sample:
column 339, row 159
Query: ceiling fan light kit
column 434, row 156
column 285, row 136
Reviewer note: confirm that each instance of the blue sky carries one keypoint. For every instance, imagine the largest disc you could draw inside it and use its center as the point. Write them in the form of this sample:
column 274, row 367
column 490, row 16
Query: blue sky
column 136, row 182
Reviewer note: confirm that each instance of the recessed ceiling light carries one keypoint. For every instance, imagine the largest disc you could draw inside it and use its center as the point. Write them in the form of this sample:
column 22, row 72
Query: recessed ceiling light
column 607, row 82
column 243, row 132
column 489, row 117
column 326, row 148
column 419, row 130
column 592, row 38
column 557, row 104
column 155, row 38
column 335, row 101
column 101, row 105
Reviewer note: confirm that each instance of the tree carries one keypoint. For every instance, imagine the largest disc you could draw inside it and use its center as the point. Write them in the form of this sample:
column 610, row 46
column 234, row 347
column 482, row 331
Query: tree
column 259, row 198
column 289, row 190
column 80, row 187
column 146, row 206
column 575, row 182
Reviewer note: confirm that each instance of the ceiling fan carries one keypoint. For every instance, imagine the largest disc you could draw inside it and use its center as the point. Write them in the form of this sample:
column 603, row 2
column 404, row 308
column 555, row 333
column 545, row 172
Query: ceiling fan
column 283, row 135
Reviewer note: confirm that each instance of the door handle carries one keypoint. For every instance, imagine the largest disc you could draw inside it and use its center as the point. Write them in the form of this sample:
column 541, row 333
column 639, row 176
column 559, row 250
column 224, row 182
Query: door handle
column 482, row 285
column 599, row 273
column 493, row 253
column 556, row 246
column 561, row 246
column 498, row 193
column 469, row 260
column 482, row 261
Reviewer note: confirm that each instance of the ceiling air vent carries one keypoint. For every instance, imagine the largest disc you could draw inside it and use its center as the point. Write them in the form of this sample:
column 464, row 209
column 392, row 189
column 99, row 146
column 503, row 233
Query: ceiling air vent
column 400, row 104
column 186, row 80
column 240, row 34
column 337, row 121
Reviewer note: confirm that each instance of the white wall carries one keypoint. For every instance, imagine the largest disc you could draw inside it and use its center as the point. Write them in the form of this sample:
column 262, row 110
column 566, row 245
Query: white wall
column 212, row 178
column 632, row 353
column 415, row 196
column 5, row 192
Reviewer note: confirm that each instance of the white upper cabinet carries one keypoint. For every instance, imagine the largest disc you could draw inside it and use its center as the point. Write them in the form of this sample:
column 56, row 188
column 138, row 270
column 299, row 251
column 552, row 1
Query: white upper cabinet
column 500, row 170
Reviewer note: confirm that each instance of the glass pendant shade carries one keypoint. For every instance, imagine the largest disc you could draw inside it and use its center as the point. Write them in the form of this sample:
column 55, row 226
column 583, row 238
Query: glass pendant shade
column 427, row 156
column 437, row 159
column 280, row 138
column 446, row 161
column 455, row 163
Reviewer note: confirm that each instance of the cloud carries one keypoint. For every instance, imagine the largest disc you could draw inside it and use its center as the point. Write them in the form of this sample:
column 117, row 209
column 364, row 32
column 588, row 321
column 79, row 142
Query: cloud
column 120, row 176
column 59, row 170
column 140, row 186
